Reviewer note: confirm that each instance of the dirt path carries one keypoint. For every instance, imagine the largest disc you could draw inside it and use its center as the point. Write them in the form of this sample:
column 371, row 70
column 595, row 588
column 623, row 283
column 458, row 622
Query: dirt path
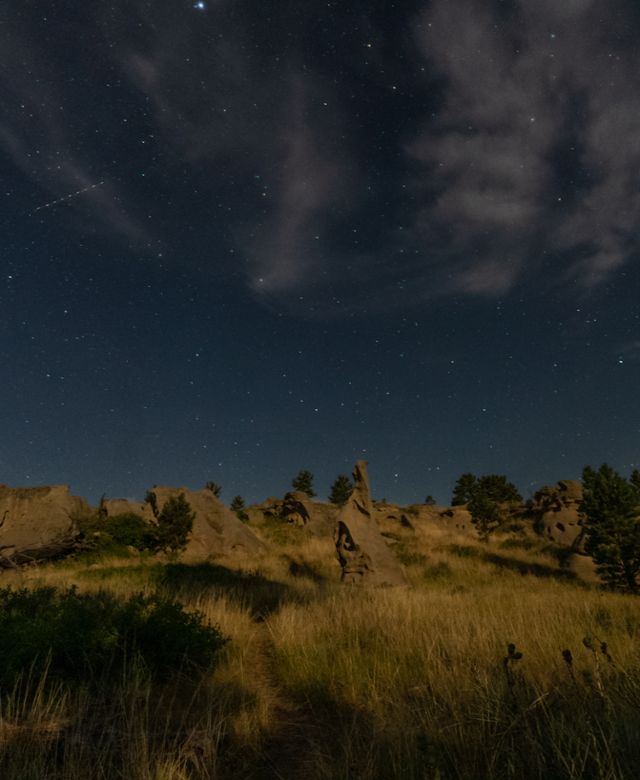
column 290, row 751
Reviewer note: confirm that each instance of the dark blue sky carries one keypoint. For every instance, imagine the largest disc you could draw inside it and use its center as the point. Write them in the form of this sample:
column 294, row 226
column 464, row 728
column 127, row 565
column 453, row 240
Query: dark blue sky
column 251, row 238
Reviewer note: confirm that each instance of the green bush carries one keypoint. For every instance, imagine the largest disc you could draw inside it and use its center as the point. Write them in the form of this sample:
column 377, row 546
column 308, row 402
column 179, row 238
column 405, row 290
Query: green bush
column 77, row 636
column 104, row 535
column 131, row 530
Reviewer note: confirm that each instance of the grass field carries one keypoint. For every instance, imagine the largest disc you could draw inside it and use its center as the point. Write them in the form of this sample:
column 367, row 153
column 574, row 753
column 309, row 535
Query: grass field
column 323, row 681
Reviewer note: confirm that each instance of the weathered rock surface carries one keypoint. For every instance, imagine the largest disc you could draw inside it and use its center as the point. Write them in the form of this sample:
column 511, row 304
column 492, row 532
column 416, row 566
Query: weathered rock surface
column 217, row 531
column 362, row 552
column 556, row 512
column 583, row 567
column 297, row 509
column 38, row 516
column 425, row 519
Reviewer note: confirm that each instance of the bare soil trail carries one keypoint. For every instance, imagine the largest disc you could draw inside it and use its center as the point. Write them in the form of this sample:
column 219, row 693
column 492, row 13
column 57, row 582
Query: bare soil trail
column 291, row 747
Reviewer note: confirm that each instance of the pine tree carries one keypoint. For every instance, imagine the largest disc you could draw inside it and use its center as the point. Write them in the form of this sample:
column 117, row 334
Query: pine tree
column 463, row 489
column 493, row 486
column 175, row 523
column 341, row 490
column 214, row 488
column 304, row 483
column 489, row 499
column 237, row 506
column 611, row 509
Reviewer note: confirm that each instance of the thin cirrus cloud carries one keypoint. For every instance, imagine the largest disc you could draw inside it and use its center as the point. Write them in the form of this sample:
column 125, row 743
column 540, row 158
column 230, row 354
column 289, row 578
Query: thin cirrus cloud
column 527, row 164
column 535, row 147
column 39, row 133
column 521, row 158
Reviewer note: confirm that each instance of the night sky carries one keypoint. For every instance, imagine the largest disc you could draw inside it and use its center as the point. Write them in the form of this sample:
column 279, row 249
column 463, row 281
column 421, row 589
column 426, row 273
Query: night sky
column 244, row 237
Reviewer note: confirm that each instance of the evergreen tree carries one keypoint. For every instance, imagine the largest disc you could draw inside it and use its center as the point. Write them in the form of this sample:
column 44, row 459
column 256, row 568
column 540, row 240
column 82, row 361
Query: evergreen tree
column 341, row 490
column 175, row 523
column 152, row 500
column 486, row 514
column 492, row 486
column 304, row 483
column 496, row 487
column 463, row 489
column 237, row 506
column 611, row 509
column 430, row 500
column 489, row 499
column 214, row 488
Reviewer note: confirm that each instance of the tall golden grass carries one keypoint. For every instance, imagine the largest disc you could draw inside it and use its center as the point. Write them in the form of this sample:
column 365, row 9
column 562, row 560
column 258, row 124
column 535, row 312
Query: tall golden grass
column 322, row 681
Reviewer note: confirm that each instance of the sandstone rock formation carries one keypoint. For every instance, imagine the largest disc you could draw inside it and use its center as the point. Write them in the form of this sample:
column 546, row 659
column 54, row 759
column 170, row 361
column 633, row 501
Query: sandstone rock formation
column 556, row 512
column 425, row 519
column 297, row 509
column 362, row 552
column 217, row 531
column 38, row 517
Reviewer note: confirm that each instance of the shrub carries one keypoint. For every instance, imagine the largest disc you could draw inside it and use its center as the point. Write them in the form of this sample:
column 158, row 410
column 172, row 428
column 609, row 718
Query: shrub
column 131, row 530
column 102, row 534
column 78, row 635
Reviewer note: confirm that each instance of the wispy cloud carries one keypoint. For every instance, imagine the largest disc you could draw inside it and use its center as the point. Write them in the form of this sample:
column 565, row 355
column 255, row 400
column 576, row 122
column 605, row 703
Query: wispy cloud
column 517, row 152
column 535, row 148
column 41, row 139
column 286, row 253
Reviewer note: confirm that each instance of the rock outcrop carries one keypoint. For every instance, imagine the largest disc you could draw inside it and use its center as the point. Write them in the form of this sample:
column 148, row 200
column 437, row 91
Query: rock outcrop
column 217, row 531
column 37, row 517
column 556, row 511
column 425, row 519
column 297, row 509
column 362, row 552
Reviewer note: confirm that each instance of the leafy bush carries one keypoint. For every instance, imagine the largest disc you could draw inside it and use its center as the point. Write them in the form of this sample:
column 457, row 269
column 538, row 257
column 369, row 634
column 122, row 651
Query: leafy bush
column 131, row 530
column 79, row 635
column 101, row 534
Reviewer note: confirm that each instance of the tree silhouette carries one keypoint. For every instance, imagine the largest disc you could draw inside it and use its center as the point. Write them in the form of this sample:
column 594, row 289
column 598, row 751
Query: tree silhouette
column 341, row 490
column 611, row 509
column 304, row 483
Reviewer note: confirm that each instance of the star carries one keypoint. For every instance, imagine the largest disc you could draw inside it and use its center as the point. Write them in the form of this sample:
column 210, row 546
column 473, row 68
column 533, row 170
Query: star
column 200, row 6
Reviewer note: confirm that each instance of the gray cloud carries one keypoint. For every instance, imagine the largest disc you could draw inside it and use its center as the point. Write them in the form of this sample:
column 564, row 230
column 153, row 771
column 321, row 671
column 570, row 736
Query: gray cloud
column 494, row 160
column 529, row 151
column 285, row 252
